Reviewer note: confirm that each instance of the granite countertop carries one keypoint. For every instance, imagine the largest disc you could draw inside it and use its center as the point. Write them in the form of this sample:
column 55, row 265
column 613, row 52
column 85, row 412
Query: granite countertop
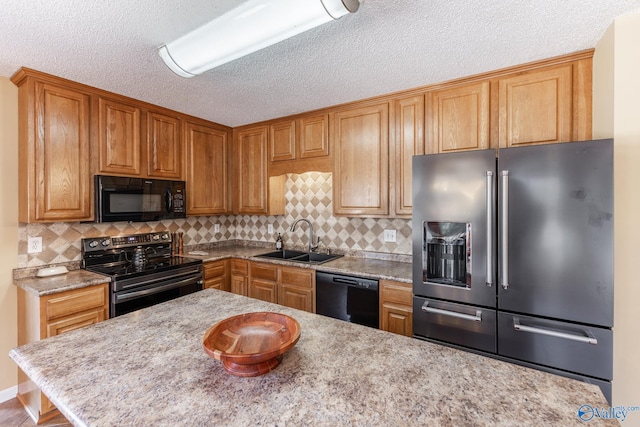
column 375, row 268
column 149, row 368
column 74, row 279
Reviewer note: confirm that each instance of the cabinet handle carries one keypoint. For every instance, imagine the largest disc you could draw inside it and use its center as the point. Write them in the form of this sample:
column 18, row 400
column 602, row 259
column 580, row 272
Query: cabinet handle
column 489, row 266
column 476, row 318
column 589, row 338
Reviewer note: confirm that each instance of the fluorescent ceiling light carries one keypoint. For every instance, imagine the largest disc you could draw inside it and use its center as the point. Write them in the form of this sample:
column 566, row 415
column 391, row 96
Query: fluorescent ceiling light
column 249, row 27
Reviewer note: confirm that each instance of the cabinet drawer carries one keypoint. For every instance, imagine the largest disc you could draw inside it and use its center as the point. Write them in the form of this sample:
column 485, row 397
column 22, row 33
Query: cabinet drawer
column 567, row 346
column 75, row 301
column 298, row 277
column 264, row 272
column 398, row 292
column 75, row 321
column 213, row 269
column 239, row 266
column 459, row 324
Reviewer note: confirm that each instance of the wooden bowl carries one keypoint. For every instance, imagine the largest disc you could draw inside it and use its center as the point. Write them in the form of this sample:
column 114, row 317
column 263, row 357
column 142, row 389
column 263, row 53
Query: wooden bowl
column 251, row 344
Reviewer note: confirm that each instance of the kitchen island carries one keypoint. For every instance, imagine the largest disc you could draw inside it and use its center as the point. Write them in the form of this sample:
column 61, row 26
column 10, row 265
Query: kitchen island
column 149, row 368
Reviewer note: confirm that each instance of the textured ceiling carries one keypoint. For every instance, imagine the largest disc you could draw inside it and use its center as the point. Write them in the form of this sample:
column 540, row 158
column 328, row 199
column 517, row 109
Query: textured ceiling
column 387, row 46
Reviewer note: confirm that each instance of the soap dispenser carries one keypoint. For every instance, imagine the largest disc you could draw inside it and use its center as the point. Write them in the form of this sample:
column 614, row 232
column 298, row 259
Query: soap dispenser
column 279, row 242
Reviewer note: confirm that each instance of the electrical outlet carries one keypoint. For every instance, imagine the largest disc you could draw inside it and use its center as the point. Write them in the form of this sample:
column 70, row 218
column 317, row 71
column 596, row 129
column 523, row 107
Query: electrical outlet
column 389, row 235
column 270, row 228
column 34, row 245
column 216, row 228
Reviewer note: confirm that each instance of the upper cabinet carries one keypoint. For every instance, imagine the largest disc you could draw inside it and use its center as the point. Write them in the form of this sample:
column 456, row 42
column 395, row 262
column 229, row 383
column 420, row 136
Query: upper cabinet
column 408, row 142
column 207, row 154
column 126, row 146
column 282, row 141
column 458, row 118
column 313, row 136
column 361, row 161
column 164, row 146
column 54, row 177
column 118, row 138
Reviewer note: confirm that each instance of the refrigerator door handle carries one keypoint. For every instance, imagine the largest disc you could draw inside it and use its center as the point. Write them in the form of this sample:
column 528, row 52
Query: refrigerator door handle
column 504, row 232
column 588, row 339
column 476, row 318
column 489, row 266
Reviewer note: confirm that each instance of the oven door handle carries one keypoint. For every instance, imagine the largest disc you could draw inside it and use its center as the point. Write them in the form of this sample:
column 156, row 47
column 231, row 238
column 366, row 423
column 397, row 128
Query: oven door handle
column 150, row 291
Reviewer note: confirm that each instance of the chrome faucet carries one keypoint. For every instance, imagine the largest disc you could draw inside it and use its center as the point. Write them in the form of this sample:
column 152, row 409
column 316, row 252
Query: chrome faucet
column 312, row 247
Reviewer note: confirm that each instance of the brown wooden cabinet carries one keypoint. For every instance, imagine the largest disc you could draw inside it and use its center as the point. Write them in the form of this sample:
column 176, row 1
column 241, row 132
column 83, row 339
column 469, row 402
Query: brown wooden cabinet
column 458, row 118
column 54, row 177
column 257, row 193
column 282, row 141
column 118, row 138
column 408, row 142
column 297, row 288
column 396, row 307
column 164, row 146
column 240, row 276
column 263, row 281
column 361, row 161
column 48, row 316
column 216, row 275
column 313, row 136
column 289, row 286
column 207, row 153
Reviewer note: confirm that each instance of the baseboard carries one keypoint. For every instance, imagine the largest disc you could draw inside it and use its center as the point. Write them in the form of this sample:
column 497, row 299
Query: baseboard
column 8, row 393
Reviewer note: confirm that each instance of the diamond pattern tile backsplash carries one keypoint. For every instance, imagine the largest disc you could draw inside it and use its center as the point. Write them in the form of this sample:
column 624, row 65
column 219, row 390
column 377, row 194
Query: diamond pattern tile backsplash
column 308, row 196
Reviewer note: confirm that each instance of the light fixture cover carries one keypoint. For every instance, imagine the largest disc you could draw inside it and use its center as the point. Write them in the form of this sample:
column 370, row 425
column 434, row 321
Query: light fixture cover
column 249, row 27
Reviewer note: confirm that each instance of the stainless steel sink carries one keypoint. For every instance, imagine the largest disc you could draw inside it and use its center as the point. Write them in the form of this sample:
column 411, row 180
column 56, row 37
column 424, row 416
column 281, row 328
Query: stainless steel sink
column 298, row 256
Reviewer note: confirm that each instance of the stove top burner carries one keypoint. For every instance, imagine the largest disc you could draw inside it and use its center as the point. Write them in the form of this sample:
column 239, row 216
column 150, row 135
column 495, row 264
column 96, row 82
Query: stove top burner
column 129, row 269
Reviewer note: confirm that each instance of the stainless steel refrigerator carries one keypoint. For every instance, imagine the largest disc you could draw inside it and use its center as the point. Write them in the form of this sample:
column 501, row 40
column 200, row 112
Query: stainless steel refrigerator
column 513, row 255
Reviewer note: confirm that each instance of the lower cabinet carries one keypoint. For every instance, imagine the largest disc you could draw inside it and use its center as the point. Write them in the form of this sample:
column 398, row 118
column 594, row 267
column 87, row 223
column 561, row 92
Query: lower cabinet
column 41, row 317
column 240, row 277
column 289, row 286
column 396, row 307
column 215, row 275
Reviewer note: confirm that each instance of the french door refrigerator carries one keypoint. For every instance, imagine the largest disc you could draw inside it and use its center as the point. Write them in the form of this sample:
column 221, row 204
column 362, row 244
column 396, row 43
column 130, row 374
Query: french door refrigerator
column 513, row 255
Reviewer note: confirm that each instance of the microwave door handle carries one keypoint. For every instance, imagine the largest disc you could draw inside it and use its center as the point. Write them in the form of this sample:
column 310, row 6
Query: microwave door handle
column 504, row 225
column 489, row 240
column 168, row 200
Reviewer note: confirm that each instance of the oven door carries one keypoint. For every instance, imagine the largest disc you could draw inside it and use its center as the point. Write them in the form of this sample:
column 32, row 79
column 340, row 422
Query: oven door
column 146, row 291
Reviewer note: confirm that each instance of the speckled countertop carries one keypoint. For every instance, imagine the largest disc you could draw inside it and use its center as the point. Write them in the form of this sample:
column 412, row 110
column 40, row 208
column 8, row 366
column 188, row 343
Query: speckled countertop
column 376, row 268
column 148, row 368
column 74, row 279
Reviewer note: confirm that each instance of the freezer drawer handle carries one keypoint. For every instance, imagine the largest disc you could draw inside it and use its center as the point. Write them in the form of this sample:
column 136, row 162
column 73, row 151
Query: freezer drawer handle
column 589, row 339
column 504, row 224
column 476, row 318
column 489, row 266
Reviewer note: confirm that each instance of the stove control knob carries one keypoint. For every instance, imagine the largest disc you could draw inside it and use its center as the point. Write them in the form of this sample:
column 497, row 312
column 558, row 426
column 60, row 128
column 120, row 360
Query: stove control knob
column 156, row 237
column 106, row 242
column 93, row 243
column 165, row 236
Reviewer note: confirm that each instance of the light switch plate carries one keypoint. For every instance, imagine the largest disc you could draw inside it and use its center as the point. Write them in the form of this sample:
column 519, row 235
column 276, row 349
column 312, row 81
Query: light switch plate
column 389, row 235
column 270, row 228
column 216, row 228
column 34, row 245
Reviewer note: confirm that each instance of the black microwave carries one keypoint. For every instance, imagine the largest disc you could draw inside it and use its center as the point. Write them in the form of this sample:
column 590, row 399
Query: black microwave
column 121, row 198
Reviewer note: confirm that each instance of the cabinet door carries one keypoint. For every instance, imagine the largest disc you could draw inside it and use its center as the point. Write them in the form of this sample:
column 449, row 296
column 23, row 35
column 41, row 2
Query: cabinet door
column 397, row 319
column 408, row 142
column 118, row 137
column 75, row 321
column 239, row 277
column 535, row 107
column 58, row 186
column 313, row 136
column 296, row 288
column 164, row 153
column 282, row 141
column 263, row 290
column 252, row 178
column 215, row 275
column 458, row 118
column 207, row 158
column 361, row 168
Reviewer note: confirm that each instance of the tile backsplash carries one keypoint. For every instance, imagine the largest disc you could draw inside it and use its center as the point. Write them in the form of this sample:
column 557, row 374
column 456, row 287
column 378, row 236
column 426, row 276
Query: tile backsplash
column 308, row 196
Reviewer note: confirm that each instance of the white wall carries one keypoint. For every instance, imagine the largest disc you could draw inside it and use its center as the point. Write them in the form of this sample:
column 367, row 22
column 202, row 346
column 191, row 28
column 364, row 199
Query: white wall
column 616, row 113
column 8, row 229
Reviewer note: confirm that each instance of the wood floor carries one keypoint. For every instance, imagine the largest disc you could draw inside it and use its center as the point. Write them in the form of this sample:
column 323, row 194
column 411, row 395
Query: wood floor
column 12, row 414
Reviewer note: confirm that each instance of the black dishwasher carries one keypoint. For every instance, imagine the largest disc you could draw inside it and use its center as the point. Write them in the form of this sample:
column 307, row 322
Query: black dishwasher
column 348, row 298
